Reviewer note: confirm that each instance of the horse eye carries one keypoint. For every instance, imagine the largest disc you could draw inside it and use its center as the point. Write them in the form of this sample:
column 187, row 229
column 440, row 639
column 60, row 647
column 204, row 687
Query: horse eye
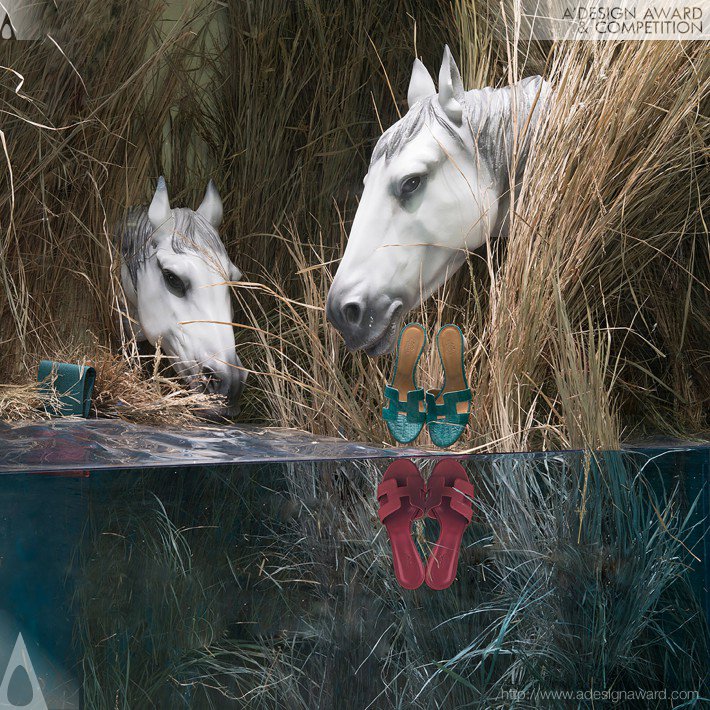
column 410, row 185
column 174, row 282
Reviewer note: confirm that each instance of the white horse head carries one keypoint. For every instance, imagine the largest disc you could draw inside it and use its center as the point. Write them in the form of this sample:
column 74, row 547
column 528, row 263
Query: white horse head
column 174, row 272
column 436, row 189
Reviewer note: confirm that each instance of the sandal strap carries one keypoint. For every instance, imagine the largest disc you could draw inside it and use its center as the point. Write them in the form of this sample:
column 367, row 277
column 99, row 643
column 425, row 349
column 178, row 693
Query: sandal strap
column 410, row 408
column 459, row 494
column 447, row 411
column 390, row 494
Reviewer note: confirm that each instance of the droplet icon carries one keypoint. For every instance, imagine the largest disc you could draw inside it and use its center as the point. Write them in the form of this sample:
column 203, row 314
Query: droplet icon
column 6, row 28
column 20, row 687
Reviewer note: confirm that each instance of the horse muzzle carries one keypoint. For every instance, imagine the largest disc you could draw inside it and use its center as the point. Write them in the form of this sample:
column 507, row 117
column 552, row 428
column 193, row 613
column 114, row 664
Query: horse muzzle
column 368, row 324
column 224, row 381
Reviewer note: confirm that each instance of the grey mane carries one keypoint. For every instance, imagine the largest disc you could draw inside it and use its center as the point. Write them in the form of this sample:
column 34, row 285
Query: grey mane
column 489, row 115
column 398, row 135
column 499, row 116
column 192, row 233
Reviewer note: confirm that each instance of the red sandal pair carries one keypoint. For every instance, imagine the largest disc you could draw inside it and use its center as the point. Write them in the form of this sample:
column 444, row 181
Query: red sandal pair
column 404, row 497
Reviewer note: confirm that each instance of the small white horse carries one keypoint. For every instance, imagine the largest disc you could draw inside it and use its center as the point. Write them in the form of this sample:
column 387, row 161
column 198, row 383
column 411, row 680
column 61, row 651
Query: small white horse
column 175, row 273
column 438, row 187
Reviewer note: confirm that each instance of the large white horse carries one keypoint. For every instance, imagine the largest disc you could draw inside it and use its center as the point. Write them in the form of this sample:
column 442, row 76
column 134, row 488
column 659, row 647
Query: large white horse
column 175, row 273
column 438, row 187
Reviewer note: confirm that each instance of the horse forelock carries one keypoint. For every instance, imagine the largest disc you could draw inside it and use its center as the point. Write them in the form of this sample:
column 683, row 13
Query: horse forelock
column 486, row 118
column 423, row 113
column 192, row 233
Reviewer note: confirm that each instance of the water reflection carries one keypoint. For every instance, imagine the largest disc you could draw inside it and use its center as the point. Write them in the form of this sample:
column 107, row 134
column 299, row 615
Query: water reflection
column 272, row 585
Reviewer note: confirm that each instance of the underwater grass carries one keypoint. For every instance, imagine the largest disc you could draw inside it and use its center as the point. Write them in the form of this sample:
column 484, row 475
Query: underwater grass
column 158, row 611
column 272, row 586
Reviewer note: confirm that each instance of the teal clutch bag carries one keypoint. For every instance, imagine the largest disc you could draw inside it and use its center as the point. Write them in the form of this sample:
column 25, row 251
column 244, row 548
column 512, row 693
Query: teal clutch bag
column 70, row 385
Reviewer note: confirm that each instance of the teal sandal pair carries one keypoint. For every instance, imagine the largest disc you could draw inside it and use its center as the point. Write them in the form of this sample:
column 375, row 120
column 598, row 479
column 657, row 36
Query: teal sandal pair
column 445, row 411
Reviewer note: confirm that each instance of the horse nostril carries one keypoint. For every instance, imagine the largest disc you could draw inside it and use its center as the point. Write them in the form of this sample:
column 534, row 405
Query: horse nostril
column 211, row 379
column 352, row 312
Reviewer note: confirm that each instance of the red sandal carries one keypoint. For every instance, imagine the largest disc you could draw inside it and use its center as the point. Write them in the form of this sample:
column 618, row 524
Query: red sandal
column 401, row 498
column 448, row 502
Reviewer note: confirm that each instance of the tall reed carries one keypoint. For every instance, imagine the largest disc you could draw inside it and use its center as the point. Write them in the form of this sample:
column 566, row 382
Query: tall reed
column 588, row 324
column 572, row 343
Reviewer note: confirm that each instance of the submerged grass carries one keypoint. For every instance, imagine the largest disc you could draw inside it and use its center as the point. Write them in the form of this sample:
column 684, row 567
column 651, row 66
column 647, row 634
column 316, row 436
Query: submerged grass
column 159, row 637
column 272, row 586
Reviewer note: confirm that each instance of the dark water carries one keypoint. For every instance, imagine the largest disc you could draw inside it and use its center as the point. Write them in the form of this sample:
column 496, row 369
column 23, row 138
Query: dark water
column 270, row 585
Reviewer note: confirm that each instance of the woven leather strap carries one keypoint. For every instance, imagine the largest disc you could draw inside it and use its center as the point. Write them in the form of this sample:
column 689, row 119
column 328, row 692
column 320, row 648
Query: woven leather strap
column 459, row 495
column 390, row 494
column 410, row 408
column 447, row 412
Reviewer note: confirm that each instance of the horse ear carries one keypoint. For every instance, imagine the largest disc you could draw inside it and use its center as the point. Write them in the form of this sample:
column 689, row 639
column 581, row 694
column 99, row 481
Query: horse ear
column 451, row 88
column 234, row 273
column 211, row 207
column 159, row 211
column 421, row 84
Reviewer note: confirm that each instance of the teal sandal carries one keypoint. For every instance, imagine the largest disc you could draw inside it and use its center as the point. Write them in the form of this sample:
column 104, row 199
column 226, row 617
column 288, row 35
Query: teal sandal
column 406, row 413
column 448, row 409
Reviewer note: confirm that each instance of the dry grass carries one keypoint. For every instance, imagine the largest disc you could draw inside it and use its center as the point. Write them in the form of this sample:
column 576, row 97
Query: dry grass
column 135, row 388
column 20, row 403
column 142, row 392
column 82, row 138
column 589, row 325
column 573, row 341
column 612, row 195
